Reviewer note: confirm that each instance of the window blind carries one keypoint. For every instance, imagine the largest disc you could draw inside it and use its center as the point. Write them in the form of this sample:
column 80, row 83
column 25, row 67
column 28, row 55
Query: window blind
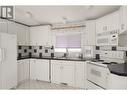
column 68, row 41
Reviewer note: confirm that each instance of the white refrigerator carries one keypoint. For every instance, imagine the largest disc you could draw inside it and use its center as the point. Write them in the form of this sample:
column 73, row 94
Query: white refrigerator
column 8, row 61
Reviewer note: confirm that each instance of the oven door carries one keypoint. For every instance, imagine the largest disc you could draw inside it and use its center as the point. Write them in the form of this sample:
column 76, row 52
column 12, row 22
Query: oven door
column 97, row 74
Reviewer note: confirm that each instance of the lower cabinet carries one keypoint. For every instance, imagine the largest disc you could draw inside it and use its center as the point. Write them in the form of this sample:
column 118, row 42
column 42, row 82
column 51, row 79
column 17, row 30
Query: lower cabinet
column 23, row 70
column 62, row 72
column 80, row 76
column 55, row 72
column 70, row 73
column 39, row 69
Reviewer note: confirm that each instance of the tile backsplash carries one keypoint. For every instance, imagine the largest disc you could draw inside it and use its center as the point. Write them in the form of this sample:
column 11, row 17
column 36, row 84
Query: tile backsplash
column 34, row 51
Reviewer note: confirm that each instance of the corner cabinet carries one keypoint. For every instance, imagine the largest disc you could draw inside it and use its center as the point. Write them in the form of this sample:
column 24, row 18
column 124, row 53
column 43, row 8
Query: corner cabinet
column 107, row 29
column 23, row 70
column 40, row 35
column 22, row 34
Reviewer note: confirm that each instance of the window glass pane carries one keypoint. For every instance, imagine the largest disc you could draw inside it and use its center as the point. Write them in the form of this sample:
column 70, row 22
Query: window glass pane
column 74, row 50
column 74, row 41
column 68, row 41
column 60, row 49
column 61, row 41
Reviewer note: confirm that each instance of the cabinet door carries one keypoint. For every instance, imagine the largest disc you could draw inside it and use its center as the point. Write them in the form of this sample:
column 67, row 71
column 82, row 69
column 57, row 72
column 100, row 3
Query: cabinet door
column 20, row 71
column 22, row 34
column 27, row 36
column 33, row 74
column 33, row 34
column 11, row 27
column 40, row 35
column 26, row 69
column 23, row 70
column 3, row 25
column 42, row 69
column 67, row 75
column 123, row 19
column 90, row 32
column 55, row 72
column 80, row 74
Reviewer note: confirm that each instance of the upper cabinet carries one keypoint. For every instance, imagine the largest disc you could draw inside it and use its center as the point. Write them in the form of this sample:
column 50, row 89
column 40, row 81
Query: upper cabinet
column 22, row 34
column 21, row 31
column 123, row 19
column 11, row 27
column 40, row 35
column 88, row 37
column 3, row 25
column 107, row 29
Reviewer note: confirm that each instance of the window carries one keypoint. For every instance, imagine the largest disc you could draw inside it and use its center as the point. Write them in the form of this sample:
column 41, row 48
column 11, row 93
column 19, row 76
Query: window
column 71, row 42
column 68, row 41
column 74, row 50
column 60, row 49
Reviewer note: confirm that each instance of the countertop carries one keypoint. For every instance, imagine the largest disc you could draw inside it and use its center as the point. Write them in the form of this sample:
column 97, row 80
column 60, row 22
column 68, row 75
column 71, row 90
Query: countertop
column 118, row 69
column 51, row 58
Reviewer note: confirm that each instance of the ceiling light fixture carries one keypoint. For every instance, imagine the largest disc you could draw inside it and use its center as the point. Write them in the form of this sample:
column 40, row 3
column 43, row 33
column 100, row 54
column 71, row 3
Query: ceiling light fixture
column 29, row 15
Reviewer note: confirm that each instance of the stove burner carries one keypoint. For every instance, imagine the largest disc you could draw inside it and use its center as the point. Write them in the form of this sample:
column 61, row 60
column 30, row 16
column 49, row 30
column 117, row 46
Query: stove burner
column 97, row 60
column 110, row 63
column 106, row 63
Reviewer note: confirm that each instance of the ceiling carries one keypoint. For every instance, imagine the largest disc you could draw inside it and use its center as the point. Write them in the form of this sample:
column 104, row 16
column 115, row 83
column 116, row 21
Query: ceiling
column 36, row 15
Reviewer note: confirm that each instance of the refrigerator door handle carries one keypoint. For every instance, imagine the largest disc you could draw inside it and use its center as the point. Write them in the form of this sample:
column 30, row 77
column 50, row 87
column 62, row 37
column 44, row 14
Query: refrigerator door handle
column 3, row 55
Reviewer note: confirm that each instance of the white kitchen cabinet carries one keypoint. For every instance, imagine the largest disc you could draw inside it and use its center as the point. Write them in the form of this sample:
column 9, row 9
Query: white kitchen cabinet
column 23, row 70
column 62, row 72
column 123, row 19
column 33, row 75
column 22, row 34
column 89, row 36
column 42, row 69
column 40, row 35
column 67, row 74
column 12, row 27
column 39, row 69
column 55, row 72
column 107, row 29
column 3, row 25
column 80, row 76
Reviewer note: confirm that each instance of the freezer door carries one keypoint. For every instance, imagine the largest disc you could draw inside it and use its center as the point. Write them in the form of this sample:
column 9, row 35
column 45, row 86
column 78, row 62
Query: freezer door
column 8, row 75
